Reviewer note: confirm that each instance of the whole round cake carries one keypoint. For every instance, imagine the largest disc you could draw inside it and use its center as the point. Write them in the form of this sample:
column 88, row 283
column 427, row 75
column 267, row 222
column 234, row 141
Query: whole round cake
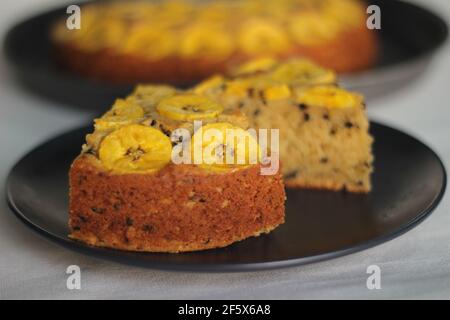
column 129, row 192
column 181, row 41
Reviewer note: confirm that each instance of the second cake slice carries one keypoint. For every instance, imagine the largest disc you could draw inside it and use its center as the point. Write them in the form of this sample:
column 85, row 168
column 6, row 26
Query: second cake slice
column 324, row 131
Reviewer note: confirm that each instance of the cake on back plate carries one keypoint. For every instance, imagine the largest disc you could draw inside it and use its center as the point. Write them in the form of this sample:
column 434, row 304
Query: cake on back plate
column 182, row 41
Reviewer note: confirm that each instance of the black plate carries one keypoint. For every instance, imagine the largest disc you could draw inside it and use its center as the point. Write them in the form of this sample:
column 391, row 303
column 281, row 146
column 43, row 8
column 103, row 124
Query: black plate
column 409, row 182
column 409, row 37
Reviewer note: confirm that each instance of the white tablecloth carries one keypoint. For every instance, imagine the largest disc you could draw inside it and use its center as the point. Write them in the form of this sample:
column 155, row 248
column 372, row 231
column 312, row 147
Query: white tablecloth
column 416, row 265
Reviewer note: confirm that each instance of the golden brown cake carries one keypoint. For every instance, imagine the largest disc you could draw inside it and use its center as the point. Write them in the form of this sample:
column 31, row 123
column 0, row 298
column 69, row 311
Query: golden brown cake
column 180, row 41
column 126, row 191
column 324, row 131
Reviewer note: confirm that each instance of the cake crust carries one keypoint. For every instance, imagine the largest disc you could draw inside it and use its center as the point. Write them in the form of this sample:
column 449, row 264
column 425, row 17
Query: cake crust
column 179, row 208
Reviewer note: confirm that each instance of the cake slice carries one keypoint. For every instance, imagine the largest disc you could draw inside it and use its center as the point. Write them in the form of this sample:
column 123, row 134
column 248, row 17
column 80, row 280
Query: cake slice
column 324, row 131
column 126, row 192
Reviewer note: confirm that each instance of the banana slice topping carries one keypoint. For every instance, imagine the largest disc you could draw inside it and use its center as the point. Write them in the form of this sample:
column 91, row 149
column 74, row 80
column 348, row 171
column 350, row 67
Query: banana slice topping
column 222, row 146
column 122, row 113
column 256, row 65
column 148, row 96
column 303, row 72
column 135, row 149
column 189, row 107
column 277, row 92
column 209, row 84
column 330, row 97
column 259, row 35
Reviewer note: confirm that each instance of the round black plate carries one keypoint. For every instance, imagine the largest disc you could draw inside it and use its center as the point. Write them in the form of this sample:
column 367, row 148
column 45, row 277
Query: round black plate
column 408, row 38
column 408, row 183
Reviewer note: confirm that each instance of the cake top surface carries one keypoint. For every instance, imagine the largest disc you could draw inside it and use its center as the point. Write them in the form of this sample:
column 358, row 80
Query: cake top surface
column 217, row 29
column 297, row 80
column 140, row 133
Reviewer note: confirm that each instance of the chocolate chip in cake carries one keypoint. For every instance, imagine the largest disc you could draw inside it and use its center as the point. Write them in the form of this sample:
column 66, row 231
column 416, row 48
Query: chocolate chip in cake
column 197, row 198
column 326, row 116
column 129, row 221
column 360, row 183
column 256, row 112
column 263, row 98
column 348, row 124
column 153, row 123
column 148, row 228
column 98, row 210
column 333, row 131
column 303, row 106
column 83, row 218
column 324, row 160
column 306, row 117
column 241, row 105
column 251, row 92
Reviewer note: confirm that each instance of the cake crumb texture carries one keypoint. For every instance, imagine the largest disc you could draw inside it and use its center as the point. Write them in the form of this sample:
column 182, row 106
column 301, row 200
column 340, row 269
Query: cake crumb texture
column 178, row 209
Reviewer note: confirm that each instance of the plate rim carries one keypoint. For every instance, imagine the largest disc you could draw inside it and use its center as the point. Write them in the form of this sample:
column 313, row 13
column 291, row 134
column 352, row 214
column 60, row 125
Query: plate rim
column 127, row 257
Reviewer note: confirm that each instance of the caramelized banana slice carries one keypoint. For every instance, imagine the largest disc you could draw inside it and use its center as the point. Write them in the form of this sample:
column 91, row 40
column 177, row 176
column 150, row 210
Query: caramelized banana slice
column 238, row 87
column 259, row 35
column 135, row 149
column 330, row 97
column 209, row 84
column 303, row 72
column 142, row 39
column 222, row 146
column 207, row 40
column 313, row 28
column 189, row 107
column 256, row 66
column 277, row 92
column 149, row 91
column 122, row 113
column 148, row 96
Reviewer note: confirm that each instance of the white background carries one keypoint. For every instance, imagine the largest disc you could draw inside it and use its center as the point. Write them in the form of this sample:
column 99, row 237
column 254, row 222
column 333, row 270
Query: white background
column 416, row 265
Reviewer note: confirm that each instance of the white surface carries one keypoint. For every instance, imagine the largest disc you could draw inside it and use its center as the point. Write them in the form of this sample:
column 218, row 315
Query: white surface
column 416, row 265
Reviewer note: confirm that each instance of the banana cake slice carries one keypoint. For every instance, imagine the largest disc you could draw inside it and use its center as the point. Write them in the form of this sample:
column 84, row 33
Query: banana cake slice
column 324, row 131
column 126, row 192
